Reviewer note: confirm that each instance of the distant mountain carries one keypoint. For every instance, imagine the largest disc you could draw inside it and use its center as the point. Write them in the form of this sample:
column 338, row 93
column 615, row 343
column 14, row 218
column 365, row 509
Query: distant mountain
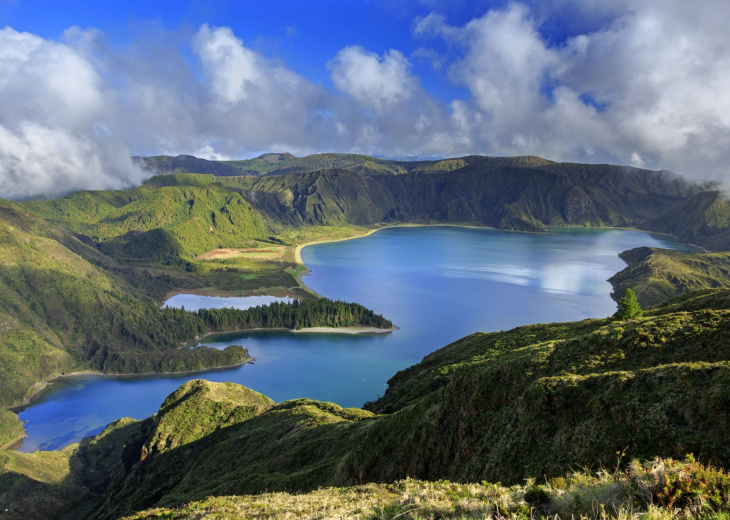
column 480, row 191
column 286, row 163
column 518, row 193
column 185, row 164
column 273, row 157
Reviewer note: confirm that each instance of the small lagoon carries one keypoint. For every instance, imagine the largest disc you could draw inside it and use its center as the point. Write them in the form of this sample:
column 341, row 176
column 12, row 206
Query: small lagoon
column 437, row 284
column 194, row 302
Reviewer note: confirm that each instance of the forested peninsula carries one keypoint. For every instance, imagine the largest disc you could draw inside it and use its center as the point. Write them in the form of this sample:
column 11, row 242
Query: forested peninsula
column 83, row 276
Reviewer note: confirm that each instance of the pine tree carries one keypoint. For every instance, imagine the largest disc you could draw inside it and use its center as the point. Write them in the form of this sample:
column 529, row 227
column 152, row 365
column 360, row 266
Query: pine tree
column 628, row 307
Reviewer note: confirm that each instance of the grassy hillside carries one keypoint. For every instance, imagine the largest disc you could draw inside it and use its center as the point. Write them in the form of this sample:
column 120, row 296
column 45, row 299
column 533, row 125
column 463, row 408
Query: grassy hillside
column 11, row 429
column 535, row 401
column 191, row 214
column 522, row 193
column 653, row 489
column 159, row 222
column 659, row 274
column 65, row 306
column 505, row 197
column 703, row 219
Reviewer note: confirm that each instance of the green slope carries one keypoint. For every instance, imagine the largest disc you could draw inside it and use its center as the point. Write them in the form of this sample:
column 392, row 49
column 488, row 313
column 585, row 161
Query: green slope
column 522, row 193
column 653, row 490
column 65, row 306
column 703, row 219
column 201, row 212
column 659, row 274
column 194, row 216
column 507, row 197
column 531, row 402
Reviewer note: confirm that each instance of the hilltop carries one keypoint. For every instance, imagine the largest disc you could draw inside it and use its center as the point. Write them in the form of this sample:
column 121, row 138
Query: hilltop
column 535, row 402
column 658, row 274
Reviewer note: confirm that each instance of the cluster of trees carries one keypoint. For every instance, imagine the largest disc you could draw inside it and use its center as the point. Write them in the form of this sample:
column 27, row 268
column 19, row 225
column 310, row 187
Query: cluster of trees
column 155, row 329
column 154, row 334
column 295, row 315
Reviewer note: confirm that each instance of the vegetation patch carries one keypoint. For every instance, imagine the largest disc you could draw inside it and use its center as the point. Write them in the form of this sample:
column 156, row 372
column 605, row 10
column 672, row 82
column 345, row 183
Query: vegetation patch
column 657, row 489
column 659, row 274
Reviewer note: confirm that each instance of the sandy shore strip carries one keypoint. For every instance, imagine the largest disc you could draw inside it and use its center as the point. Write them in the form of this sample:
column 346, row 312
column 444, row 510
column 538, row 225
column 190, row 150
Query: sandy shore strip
column 298, row 248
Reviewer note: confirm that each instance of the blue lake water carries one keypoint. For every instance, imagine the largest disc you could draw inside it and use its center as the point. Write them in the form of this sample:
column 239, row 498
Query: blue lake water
column 437, row 284
column 193, row 302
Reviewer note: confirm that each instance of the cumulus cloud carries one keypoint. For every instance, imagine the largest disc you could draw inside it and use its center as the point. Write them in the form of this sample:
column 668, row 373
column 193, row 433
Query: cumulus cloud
column 255, row 102
column 52, row 118
column 644, row 82
column 649, row 87
column 376, row 82
column 38, row 160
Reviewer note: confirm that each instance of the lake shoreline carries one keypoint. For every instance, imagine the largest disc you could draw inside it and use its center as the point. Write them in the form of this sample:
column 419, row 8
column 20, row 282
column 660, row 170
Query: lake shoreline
column 344, row 331
column 48, row 382
column 299, row 247
column 192, row 343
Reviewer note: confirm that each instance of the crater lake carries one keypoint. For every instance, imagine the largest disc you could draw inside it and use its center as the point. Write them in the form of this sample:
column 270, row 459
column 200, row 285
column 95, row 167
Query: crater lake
column 437, row 284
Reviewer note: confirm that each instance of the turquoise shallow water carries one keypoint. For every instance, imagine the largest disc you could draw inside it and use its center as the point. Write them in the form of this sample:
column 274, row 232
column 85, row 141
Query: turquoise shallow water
column 437, row 284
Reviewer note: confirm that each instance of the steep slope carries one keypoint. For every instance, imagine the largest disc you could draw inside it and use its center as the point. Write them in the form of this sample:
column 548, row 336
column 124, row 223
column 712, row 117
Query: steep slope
column 656, row 274
column 191, row 215
column 522, row 193
column 703, row 219
column 508, row 197
column 198, row 212
column 534, row 401
column 64, row 307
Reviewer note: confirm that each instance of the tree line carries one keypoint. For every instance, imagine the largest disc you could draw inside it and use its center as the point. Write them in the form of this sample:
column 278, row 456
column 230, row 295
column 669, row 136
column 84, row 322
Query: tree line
column 295, row 315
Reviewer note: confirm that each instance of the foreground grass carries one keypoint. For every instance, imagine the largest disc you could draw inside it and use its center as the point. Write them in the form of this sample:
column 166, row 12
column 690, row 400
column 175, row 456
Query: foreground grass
column 657, row 489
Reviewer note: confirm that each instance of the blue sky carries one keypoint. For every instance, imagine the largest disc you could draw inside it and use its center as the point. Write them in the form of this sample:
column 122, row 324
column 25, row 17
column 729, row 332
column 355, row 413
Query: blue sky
column 84, row 85
column 304, row 35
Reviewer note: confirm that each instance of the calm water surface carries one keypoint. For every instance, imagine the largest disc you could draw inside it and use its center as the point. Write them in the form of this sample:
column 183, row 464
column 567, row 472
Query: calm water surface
column 437, row 284
column 194, row 302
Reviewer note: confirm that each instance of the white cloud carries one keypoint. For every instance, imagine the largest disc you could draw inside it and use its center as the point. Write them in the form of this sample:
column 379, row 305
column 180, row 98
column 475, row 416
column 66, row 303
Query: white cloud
column 650, row 87
column 648, row 83
column 52, row 137
column 663, row 68
column 376, row 82
column 37, row 160
column 235, row 72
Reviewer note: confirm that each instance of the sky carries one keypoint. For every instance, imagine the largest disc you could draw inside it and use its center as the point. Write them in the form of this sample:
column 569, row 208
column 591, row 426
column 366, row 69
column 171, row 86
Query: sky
column 86, row 85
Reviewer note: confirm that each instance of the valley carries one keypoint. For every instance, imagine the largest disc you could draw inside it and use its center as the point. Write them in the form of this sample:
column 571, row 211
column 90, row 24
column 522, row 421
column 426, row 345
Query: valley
column 83, row 278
